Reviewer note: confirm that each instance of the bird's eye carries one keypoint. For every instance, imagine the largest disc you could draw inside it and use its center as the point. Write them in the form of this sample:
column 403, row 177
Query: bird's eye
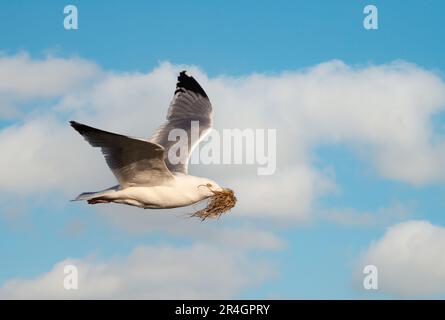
column 209, row 185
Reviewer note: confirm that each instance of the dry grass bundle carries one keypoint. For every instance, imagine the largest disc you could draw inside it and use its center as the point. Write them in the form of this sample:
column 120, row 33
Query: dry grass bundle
column 221, row 202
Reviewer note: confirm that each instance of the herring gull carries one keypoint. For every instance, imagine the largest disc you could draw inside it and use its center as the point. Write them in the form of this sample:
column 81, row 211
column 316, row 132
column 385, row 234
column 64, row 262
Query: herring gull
column 147, row 177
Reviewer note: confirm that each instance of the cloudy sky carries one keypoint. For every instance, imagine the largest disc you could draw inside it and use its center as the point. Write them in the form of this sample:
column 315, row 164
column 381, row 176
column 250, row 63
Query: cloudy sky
column 360, row 125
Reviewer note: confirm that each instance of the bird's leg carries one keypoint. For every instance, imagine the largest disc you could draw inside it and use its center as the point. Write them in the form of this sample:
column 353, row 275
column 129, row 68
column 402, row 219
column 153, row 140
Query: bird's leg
column 97, row 200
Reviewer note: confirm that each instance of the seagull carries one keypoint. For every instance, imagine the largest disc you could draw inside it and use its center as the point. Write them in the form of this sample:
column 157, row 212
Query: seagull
column 146, row 176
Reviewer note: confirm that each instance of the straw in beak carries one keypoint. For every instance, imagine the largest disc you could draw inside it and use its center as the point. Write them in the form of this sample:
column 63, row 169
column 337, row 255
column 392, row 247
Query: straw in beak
column 220, row 202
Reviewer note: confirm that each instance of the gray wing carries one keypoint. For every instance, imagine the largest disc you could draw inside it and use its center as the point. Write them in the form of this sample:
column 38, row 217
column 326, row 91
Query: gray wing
column 134, row 162
column 190, row 104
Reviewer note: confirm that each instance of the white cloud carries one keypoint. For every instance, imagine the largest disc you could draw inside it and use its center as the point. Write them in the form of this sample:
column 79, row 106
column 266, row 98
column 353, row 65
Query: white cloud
column 24, row 77
column 176, row 223
column 410, row 259
column 289, row 193
column 40, row 154
column 383, row 112
column 151, row 272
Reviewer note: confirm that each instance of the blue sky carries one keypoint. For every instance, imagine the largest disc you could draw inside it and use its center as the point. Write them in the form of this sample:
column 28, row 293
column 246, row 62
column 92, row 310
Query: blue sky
column 230, row 37
column 236, row 39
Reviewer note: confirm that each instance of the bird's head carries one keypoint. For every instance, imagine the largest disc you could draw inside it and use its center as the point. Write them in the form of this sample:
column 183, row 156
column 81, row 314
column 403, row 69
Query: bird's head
column 207, row 186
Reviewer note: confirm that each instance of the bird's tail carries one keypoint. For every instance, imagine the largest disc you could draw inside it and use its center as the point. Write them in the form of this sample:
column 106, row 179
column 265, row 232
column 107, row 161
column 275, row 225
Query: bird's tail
column 92, row 195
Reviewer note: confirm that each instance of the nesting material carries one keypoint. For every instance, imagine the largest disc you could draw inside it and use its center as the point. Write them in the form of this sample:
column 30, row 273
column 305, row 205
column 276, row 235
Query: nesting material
column 221, row 202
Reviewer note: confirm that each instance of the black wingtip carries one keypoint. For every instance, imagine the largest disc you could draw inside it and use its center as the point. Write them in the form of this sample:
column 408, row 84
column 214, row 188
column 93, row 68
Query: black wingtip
column 186, row 82
column 81, row 128
column 76, row 125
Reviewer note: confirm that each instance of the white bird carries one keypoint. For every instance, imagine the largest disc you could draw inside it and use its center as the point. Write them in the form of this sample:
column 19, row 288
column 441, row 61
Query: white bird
column 147, row 178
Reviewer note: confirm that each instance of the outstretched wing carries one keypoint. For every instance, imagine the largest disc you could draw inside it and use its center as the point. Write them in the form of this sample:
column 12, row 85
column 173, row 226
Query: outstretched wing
column 190, row 106
column 134, row 162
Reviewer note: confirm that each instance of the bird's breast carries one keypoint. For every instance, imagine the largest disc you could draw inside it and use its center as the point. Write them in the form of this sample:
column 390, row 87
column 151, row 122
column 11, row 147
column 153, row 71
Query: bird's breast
column 171, row 196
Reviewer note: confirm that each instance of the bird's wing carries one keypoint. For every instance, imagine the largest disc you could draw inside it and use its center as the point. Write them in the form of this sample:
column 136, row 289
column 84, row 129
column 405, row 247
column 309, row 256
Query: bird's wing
column 134, row 162
column 190, row 104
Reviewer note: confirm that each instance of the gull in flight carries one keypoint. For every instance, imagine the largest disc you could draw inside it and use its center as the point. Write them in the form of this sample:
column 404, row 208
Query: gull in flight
column 147, row 178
